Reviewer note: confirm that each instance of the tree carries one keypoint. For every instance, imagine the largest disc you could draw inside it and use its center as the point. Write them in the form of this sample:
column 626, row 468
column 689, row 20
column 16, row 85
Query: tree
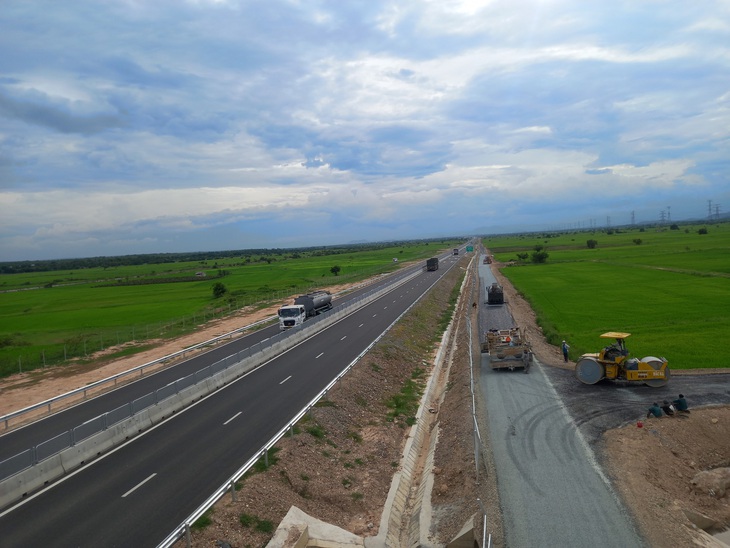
column 637, row 241
column 539, row 256
column 702, row 230
column 592, row 244
column 335, row 270
column 219, row 290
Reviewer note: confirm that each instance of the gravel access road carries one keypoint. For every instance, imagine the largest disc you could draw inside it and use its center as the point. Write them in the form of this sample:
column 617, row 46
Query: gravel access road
column 551, row 488
column 544, row 429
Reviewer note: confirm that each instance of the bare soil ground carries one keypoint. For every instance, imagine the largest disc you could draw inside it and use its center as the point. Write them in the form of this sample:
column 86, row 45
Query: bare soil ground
column 339, row 467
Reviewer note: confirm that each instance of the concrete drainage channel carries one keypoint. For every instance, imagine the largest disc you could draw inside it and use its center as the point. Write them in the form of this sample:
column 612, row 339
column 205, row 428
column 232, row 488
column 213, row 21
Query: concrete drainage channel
column 406, row 516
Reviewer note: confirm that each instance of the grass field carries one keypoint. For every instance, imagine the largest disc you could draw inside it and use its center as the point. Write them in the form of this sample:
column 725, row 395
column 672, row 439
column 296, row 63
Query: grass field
column 671, row 290
column 50, row 317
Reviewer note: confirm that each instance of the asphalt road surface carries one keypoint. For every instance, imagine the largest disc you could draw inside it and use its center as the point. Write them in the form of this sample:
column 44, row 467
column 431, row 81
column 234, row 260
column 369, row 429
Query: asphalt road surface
column 19, row 440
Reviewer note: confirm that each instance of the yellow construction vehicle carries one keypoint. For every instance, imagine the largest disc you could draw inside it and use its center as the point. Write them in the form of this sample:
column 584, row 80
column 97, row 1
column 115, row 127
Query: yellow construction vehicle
column 613, row 363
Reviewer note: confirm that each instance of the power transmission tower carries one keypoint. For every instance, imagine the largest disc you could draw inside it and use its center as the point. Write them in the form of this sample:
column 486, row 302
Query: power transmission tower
column 709, row 209
column 633, row 218
column 669, row 214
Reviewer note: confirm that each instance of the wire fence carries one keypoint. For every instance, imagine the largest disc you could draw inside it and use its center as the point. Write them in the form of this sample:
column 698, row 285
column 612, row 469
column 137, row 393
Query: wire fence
column 126, row 339
column 481, row 459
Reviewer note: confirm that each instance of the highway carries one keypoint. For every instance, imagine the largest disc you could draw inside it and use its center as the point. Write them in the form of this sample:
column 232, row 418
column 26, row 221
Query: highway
column 139, row 492
column 21, row 439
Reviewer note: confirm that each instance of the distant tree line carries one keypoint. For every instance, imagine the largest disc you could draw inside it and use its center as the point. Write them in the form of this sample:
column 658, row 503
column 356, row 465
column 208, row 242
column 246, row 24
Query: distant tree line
column 268, row 255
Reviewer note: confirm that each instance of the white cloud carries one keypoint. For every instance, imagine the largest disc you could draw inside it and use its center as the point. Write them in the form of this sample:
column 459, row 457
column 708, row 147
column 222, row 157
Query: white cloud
column 228, row 118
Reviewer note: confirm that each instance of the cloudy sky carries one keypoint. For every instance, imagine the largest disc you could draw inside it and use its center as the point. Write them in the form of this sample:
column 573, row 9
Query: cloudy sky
column 136, row 126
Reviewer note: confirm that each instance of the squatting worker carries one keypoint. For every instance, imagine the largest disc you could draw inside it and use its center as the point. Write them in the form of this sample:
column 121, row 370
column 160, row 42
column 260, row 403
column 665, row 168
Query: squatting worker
column 681, row 404
column 654, row 411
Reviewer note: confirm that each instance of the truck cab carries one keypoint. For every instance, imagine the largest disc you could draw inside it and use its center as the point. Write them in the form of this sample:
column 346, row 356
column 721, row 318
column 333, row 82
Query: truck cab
column 291, row 316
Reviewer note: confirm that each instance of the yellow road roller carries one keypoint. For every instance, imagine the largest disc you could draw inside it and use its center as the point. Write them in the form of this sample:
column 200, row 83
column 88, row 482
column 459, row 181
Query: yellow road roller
column 613, row 363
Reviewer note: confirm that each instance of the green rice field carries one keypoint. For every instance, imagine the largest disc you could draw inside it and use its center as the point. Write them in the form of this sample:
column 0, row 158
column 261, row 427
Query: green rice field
column 50, row 317
column 671, row 290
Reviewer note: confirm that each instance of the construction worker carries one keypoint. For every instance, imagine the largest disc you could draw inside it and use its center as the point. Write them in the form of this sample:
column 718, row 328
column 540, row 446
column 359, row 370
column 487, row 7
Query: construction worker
column 681, row 404
column 654, row 410
column 565, row 351
column 667, row 408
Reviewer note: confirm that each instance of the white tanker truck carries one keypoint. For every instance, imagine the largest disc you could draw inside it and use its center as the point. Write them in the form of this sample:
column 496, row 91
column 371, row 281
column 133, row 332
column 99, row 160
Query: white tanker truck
column 305, row 306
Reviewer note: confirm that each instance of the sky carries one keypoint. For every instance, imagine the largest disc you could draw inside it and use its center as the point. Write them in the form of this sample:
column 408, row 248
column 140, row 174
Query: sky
column 152, row 126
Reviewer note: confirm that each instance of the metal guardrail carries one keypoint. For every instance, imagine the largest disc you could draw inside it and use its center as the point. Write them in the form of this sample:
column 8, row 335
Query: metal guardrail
column 34, row 455
column 55, row 445
column 85, row 390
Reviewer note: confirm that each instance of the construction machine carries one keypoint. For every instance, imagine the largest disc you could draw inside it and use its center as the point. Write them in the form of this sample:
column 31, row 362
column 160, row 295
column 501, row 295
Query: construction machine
column 613, row 362
column 495, row 294
column 507, row 349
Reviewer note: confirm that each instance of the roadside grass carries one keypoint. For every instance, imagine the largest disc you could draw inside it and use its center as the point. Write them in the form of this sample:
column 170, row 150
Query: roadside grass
column 405, row 403
column 673, row 302
column 261, row 464
column 202, row 522
column 82, row 311
column 260, row 525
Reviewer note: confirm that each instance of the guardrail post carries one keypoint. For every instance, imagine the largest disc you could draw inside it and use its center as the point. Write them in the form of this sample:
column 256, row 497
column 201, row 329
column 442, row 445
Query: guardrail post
column 188, row 539
column 266, row 458
column 233, row 491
